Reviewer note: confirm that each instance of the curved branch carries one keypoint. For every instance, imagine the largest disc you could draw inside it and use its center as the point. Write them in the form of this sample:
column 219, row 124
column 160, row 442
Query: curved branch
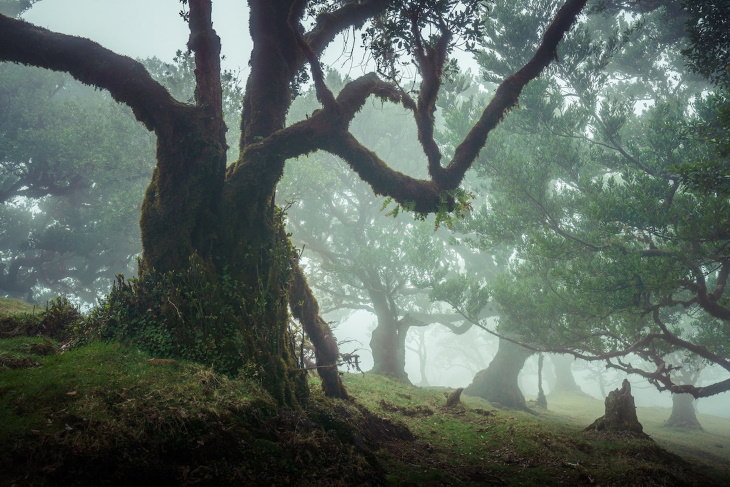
column 126, row 79
column 418, row 195
column 305, row 308
column 444, row 319
column 352, row 14
column 709, row 301
column 506, row 97
column 354, row 94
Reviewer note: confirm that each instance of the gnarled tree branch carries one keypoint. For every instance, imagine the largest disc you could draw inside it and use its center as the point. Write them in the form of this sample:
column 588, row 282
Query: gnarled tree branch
column 126, row 79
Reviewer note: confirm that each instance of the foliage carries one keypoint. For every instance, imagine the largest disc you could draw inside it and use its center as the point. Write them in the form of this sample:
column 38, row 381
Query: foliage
column 73, row 172
column 709, row 50
column 59, row 321
column 612, row 254
column 188, row 315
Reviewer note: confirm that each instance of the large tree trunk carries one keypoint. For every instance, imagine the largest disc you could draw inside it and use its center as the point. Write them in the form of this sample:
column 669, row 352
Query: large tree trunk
column 214, row 281
column 388, row 345
column 216, row 269
column 683, row 413
column 388, row 341
column 564, row 379
column 498, row 382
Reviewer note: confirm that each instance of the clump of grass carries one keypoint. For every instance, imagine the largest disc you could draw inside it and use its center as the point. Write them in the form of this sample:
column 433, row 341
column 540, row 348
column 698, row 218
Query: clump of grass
column 25, row 352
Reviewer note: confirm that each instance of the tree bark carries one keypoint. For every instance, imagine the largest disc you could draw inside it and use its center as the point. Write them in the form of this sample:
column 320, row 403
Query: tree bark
column 388, row 346
column 564, row 379
column 498, row 382
column 620, row 416
column 683, row 413
column 306, row 309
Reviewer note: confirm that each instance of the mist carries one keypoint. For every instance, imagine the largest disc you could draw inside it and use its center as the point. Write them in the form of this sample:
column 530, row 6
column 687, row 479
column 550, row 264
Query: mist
column 383, row 205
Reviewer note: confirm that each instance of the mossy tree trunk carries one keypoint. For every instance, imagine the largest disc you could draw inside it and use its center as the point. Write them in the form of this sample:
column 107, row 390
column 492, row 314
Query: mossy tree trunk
column 216, row 269
column 498, row 382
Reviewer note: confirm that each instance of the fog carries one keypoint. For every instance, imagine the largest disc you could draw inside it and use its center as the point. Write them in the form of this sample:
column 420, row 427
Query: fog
column 583, row 180
column 452, row 361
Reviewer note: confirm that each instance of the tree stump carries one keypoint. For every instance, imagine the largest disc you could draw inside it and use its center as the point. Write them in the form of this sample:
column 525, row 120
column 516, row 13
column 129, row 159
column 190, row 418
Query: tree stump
column 454, row 399
column 620, row 416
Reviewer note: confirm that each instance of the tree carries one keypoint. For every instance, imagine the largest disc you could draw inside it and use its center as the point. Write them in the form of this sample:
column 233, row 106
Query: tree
column 564, row 379
column 498, row 382
column 73, row 172
column 216, row 261
column 74, row 165
column 362, row 258
column 614, row 254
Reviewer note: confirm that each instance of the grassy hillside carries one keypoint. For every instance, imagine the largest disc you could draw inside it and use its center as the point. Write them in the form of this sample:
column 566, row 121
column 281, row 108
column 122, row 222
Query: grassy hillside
column 480, row 445
column 10, row 307
column 108, row 415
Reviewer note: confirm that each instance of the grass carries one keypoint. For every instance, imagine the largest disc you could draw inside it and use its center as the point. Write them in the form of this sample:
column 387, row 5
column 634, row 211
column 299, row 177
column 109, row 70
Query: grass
column 11, row 307
column 480, row 445
column 108, row 414
column 710, row 447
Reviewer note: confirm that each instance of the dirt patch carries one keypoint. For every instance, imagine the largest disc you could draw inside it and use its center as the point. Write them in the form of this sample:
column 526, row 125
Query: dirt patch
column 404, row 410
column 15, row 362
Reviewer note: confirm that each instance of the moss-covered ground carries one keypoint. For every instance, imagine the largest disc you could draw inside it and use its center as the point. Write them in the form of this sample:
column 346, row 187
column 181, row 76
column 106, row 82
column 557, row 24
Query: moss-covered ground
column 105, row 414
column 477, row 444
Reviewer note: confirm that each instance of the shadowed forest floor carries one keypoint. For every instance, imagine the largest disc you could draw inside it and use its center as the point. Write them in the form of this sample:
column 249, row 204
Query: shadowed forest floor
column 105, row 414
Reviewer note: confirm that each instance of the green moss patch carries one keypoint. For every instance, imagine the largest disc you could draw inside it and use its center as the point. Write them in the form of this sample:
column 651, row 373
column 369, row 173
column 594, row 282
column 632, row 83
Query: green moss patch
column 105, row 414
column 477, row 444
column 108, row 414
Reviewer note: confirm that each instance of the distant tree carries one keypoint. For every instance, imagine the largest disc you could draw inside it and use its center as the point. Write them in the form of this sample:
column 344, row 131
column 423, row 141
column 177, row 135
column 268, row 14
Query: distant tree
column 564, row 378
column 215, row 271
column 614, row 254
column 498, row 382
column 74, row 167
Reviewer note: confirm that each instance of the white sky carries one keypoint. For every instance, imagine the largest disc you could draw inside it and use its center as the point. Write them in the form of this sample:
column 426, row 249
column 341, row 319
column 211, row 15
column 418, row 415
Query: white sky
column 144, row 28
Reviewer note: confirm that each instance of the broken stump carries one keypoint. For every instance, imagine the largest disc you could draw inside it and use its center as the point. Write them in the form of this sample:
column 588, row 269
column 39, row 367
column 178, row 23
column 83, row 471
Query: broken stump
column 620, row 416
